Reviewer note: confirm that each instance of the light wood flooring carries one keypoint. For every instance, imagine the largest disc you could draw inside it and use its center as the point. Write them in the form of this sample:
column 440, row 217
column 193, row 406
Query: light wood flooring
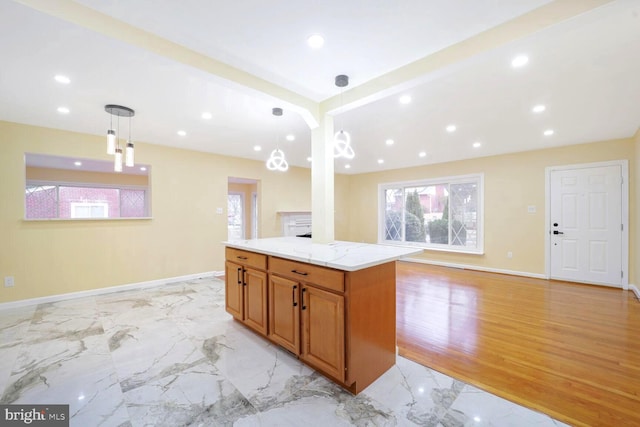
column 569, row 350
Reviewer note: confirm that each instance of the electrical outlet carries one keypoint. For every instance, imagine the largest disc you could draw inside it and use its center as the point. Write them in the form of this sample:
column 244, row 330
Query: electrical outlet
column 509, row 254
column 8, row 281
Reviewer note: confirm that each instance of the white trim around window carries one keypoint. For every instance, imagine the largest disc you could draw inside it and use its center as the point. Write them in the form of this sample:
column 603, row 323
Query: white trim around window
column 443, row 214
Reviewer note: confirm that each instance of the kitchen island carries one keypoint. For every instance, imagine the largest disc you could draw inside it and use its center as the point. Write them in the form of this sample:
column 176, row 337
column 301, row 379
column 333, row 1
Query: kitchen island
column 332, row 305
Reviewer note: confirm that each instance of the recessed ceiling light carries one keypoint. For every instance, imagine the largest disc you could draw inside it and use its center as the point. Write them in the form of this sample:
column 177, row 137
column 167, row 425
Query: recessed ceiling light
column 389, row 141
column 422, row 154
column 538, row 108
column 347, row 166
column 315, row 41
column 380, row 161
column 77, row 163
column 519, row 61
column 62, row 79
column 207, row 116
column 404, row 99
column 257, row 148
column 63, row 110
column 309, row 159
column 476, row 144
column 548, row 132
column 291, row 137
column 451, row 128
column 142, row 168
column 182, row 133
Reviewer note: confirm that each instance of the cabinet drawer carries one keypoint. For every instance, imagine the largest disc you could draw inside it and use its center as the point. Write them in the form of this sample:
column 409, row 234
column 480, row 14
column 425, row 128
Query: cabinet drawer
column 313, row 274
column 250, row 259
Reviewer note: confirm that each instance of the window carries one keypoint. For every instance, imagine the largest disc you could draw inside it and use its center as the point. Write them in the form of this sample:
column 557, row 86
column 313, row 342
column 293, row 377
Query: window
column 235, row 216
column 442, row 214
column 46, row 201
column 73, row 188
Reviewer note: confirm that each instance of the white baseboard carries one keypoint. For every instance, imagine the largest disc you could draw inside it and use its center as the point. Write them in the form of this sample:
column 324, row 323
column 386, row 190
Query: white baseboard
column 635, row 290
column 475, row 267
column 101, row 291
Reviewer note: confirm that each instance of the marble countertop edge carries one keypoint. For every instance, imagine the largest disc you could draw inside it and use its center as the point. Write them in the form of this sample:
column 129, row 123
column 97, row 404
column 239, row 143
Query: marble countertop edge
column 341, row 255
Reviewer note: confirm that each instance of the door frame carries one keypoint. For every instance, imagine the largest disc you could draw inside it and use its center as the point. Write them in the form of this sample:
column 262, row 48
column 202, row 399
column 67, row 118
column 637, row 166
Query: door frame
column 624, row 165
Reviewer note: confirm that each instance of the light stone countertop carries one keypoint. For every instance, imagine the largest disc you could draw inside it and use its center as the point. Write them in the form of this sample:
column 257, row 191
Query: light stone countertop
column 347, row 256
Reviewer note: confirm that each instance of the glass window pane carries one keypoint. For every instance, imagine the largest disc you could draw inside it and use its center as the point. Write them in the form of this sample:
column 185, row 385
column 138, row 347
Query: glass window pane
column 438, row 214
column 132, row 203
column 41, row 201
column 235, row 216
column 89, row 196
column 463, row 213
column 393, row 214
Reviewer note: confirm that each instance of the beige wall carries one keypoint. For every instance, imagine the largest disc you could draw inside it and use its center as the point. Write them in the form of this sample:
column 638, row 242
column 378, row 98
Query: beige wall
column 64, row 175
column 511, row 183
column 55, row 257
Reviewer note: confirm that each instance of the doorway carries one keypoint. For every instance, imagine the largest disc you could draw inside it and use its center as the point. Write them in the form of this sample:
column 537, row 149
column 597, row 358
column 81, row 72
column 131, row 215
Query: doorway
column 242, row 208
column 587, row 223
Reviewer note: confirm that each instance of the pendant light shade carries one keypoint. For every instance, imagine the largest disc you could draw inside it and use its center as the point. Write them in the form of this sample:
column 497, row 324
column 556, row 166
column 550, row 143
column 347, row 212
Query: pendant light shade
column 342, row 145
column 111, row 141
column 277, row 161
column 129, row 154
column 113, row 144
column 117, row 160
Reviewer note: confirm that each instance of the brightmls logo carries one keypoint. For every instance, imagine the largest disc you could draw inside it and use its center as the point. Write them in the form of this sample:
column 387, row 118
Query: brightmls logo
column 34, row 415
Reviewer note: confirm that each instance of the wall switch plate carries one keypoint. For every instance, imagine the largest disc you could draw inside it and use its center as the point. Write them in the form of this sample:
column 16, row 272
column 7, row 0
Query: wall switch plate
column 219, row 211
column 8, row 281
column 531, row 209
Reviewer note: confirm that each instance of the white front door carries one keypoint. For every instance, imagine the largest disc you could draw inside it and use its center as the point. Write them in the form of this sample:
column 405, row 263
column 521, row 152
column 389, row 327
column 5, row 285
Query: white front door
column 586, row 221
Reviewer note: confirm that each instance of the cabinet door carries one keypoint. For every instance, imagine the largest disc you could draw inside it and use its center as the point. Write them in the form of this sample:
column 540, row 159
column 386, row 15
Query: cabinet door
column 233, row 290
column 284, row 313
column 255, row 300
column 323, row 330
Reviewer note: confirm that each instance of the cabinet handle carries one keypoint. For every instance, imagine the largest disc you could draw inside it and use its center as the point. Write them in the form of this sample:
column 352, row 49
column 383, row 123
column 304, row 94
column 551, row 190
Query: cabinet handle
column 304, row 307
column 241, row 257
column 239, row 279
column 293, row 295
column 302, row 273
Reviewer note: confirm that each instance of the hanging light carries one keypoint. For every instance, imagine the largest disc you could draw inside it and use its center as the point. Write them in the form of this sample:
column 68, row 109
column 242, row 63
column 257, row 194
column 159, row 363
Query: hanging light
column 277, row 160
column 342, row 139
column 113, row 144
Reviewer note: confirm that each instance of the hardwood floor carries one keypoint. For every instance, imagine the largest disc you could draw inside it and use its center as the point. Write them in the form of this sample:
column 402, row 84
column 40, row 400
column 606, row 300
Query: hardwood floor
column 571, row 351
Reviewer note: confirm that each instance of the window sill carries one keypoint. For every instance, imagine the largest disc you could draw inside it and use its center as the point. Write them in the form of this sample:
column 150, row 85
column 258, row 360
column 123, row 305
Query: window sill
column 434, row 248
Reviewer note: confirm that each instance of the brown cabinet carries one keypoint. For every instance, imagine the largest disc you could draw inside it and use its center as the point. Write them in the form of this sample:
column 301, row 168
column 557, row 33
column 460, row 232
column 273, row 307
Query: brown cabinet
column 246, row 288
column 340, row 323
column 306, row 313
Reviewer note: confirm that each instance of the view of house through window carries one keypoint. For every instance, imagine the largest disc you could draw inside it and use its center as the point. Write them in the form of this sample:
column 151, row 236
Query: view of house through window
column 443, row 214
column 70, row 188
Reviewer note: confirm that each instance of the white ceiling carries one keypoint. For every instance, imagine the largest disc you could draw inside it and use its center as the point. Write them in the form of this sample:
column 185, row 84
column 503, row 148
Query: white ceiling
column 584, row 69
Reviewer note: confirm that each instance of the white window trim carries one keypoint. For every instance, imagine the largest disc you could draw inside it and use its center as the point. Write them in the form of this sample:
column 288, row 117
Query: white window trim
column 58, row 184
column 479, row 177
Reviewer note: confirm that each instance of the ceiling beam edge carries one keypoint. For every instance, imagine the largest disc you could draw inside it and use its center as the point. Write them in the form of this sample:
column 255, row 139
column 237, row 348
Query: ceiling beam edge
column 436, row 64
column 238, row 79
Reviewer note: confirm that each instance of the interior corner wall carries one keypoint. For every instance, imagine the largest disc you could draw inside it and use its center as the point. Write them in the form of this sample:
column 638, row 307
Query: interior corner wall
column 183, row 237
column 512, row 182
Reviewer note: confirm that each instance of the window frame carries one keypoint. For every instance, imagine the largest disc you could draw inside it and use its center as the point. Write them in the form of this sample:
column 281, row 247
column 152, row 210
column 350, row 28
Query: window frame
column 477, row 178
column 58, row 184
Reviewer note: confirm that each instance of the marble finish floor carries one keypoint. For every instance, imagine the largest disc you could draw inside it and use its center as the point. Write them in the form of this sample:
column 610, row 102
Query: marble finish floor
column 172, row 356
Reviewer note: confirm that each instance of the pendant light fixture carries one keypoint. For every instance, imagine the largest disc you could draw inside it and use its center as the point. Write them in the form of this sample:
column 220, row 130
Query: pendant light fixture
column 277, row 161
column 342, row 139
column 113, row 143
